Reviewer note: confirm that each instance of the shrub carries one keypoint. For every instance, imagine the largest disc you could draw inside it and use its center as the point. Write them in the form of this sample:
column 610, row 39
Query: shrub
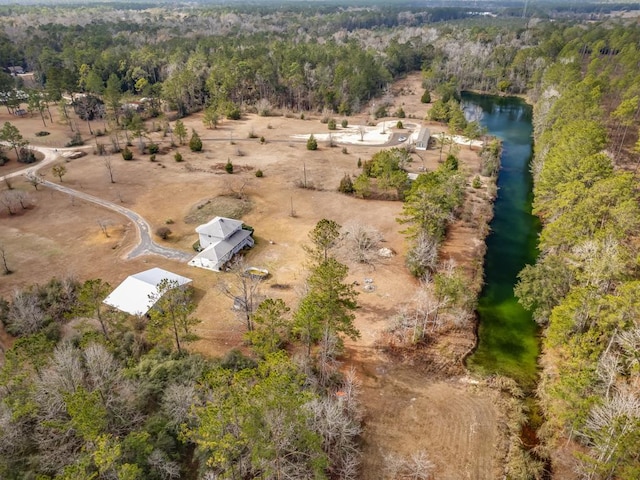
column 359, row 162
column 477, row 183
column 252, row 133
column 153, row 148
column 127, row 154
column 399, row 124
column 195, row 143
column 228, row 166
column 152, row 157
column 26, row 155
column 233, row 113
column 259, row 173
column 178, row 157
column 426, row 97
column 262, row 140
column 331, row 124
column 163, row 232
column 75, row 141
column 451, row 162
column 344, row 150
column 312, row 143
column 42, row 133
column 381, row 111
column 344, row 123
column 400, row 112
column 346, row 184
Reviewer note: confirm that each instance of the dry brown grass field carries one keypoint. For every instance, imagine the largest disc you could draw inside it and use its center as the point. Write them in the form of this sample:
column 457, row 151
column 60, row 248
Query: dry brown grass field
column 406, row 408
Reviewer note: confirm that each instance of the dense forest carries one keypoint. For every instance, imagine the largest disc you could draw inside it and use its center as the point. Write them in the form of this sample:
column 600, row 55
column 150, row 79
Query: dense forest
column 583, row 290
column 121, row 399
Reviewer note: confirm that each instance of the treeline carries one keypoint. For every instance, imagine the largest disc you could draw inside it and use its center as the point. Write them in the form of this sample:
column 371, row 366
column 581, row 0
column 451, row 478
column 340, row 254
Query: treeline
column 584, row 288
column 90, row 392
column 334, row 58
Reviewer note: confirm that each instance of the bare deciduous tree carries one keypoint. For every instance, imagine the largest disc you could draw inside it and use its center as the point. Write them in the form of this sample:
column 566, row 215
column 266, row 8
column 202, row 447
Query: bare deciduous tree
column 177, row 401
column 25, row 316
column 361, row 243
column 362, row 129
column 109, row 166
column 8, row 200
column 22, row 198
column 3, row 256
column 422, row 258
column 243, row 289
column 166, row 468
column 416, row 466
column 104, row 227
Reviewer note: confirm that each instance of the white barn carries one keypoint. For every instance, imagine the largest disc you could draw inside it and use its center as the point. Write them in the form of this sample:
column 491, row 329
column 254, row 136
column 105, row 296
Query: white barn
column 220, row 239
column 138, row 293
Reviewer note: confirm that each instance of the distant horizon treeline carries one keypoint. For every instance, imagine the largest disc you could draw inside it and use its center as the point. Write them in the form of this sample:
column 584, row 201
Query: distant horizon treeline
column 235, row 56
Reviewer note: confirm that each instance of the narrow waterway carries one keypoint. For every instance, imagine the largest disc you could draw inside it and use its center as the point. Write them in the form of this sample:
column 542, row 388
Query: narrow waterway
column 507, row 336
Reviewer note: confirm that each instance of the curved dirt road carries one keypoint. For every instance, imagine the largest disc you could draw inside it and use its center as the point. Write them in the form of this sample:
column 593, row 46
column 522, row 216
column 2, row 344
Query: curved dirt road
column 145, row 246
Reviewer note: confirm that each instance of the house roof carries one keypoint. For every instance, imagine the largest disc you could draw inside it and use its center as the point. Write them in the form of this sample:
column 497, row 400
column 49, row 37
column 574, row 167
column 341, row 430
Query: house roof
column 217, row 251
column 219, row 227
column 135, row 295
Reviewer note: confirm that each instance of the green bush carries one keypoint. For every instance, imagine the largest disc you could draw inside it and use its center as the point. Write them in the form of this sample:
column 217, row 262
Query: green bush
column 312, row 143
column 178, row 157
column 451, row 163
column 127, row 154
column 381, row 111
column 399, row 124
column 346, row 184
column 477, row 183
column 426, row 97
column 195, row 143
column 259, row 173
column 233, row 113
column 75, row 141
column 344, row 123
column 153, row 148
column 400, row 112
column 331, row 124
column 228, row 166
column 41, row 134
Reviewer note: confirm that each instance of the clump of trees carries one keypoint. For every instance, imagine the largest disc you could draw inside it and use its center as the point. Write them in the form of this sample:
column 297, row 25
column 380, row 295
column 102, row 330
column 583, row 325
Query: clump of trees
column 382, row 175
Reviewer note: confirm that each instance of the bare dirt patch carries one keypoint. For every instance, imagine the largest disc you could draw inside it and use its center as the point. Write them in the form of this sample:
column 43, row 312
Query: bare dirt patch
column 407, row 408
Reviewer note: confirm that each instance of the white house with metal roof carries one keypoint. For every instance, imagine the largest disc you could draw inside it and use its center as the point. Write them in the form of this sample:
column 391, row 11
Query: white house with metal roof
column 138, row 293
column 220, row 240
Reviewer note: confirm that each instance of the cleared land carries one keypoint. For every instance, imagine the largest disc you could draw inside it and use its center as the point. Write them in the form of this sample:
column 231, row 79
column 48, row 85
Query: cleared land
column 408, row 406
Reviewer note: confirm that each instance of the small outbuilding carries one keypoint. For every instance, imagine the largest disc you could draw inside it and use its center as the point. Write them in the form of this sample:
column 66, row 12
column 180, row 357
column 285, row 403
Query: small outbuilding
column 422, row 142
column 138, row 293
column 220, row 240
